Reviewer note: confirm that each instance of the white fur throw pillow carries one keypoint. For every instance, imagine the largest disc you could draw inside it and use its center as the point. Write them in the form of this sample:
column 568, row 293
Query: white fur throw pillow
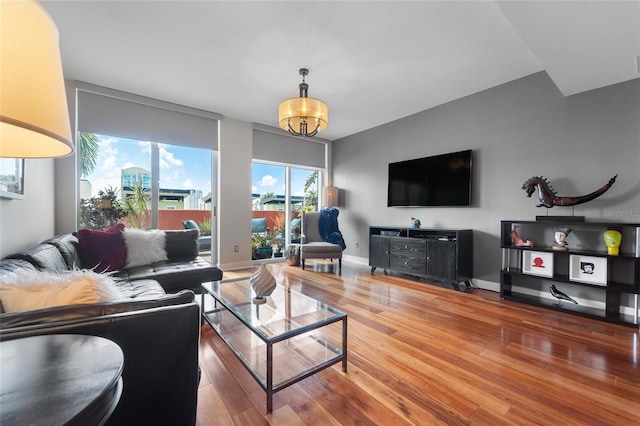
column 38, row 290
column 144, row 247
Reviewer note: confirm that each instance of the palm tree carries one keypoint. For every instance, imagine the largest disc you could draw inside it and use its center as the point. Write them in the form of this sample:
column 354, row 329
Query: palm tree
column 311, row 194
column 88, row 152
column 311, row 180
column 136, row 206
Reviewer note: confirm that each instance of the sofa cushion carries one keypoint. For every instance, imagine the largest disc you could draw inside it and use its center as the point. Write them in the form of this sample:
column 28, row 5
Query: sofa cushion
column 191, row 224
column 140, row 289
column 14, row 267
column 41, row 316
column 40, row 296
column 144, row 246
column 37, row 290
column 181, row 245
column 68, row 246
column 174, row 276
column 102, row 251
column 42, row 257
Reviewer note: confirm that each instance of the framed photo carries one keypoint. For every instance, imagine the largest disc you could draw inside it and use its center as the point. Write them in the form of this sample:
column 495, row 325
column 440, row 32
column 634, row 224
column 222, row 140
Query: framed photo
column 538, row 263
column 12, row 178
column 588, row 269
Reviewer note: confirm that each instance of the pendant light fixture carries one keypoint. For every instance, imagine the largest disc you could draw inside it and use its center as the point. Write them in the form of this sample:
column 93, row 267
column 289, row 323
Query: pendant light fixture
column 303, row 116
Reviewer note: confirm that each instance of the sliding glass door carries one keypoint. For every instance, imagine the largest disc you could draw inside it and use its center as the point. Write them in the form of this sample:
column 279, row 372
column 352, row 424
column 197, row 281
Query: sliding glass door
column 279, row 194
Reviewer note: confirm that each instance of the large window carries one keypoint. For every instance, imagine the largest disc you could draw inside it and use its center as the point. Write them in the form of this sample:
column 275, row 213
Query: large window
column 145, row 162
column 116, row 185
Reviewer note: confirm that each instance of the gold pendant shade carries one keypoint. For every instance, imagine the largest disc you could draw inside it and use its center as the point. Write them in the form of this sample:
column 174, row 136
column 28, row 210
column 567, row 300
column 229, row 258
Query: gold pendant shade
column 303, row 116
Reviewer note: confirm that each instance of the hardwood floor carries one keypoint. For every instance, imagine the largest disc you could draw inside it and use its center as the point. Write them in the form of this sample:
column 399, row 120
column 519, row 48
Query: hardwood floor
column 422, row 354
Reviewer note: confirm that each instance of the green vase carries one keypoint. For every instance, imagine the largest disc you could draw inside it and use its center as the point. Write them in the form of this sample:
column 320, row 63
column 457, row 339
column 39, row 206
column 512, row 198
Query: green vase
column 612, row 239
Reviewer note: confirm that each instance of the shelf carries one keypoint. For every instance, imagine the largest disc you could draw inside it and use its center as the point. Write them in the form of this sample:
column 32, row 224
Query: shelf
column 568, row 252
column 609, row 291
column 564, row 278
column 568, row 307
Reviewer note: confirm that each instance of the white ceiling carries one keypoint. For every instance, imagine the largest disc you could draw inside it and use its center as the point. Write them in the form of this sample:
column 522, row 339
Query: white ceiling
column 371, row 61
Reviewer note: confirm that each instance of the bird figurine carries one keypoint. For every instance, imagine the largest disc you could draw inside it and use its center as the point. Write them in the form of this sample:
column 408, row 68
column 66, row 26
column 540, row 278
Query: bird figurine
column 560, row 295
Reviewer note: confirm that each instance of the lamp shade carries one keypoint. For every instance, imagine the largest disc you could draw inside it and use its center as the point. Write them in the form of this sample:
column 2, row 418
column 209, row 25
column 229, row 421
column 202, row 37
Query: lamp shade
column 292, row 111
column 330, row 196
column 303, row 116
column 34, row 119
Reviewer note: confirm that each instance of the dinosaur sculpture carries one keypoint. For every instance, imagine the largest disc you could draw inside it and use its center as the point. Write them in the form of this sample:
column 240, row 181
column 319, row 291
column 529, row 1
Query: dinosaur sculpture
column 548, row 197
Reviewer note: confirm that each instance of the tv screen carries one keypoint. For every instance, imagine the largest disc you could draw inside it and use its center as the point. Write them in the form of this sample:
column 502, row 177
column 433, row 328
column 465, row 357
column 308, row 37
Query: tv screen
column 441, row 180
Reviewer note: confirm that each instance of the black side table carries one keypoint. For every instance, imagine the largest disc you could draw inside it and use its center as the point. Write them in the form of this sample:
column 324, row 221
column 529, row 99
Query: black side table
column 59, row 379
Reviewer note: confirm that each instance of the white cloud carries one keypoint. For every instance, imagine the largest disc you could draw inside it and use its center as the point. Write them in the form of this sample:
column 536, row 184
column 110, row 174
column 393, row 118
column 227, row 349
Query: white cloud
column 187, row 184
column 267, row 180
column 167, row 159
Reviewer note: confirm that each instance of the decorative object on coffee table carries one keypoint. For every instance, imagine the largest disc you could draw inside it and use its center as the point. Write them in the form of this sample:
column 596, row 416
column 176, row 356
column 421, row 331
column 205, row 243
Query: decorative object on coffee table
column 517, row 239
column 612, row 239
column 548, row 197
column 263, row 284
column 415, row 223
column 560, row 236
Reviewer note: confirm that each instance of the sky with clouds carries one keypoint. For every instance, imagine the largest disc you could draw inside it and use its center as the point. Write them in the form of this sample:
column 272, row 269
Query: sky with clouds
column 180, row 168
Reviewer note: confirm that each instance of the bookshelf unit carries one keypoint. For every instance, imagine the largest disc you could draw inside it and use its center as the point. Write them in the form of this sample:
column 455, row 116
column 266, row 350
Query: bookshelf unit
column 605, row 286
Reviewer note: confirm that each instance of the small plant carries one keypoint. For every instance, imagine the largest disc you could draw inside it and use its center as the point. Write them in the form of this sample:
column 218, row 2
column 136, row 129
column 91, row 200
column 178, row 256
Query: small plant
column 205, row 227
column 262, row 239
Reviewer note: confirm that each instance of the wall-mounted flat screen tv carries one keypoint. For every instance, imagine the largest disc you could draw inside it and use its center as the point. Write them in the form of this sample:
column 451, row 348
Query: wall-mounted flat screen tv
column 441, row 180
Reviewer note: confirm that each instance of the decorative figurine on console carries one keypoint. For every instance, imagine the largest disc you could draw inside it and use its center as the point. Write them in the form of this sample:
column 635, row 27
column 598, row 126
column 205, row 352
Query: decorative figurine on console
column 560, row 236
column 517, row 240
column 548, row 197
column 415, row 223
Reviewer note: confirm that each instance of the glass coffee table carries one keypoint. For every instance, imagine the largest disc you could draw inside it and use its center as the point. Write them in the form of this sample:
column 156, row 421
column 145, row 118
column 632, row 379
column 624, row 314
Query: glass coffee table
column 281, row 341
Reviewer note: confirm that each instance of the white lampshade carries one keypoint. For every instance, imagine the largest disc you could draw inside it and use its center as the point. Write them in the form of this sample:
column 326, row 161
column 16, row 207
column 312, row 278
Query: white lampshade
column 34, row 119
column 330, row 196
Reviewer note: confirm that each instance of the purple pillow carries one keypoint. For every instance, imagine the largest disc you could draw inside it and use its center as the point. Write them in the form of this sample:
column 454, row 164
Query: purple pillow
column 103, row 251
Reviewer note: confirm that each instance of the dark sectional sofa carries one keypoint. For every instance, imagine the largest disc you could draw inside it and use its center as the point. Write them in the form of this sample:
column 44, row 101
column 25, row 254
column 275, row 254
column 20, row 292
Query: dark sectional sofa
column 156, row 324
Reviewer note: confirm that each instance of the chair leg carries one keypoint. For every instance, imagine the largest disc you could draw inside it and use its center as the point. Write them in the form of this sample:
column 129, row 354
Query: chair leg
column 340, row 266
column 302, row 263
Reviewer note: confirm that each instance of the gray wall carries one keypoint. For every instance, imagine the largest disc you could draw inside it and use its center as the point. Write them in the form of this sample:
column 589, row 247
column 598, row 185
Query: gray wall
column 517, row 130
column 25, row 222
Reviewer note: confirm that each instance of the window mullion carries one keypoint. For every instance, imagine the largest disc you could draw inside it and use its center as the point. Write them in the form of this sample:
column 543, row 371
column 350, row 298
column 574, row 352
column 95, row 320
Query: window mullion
column 155, row 184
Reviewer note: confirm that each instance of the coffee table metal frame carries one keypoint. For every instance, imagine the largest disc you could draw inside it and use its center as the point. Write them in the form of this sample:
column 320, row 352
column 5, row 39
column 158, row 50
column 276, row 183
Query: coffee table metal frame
column 213, row 289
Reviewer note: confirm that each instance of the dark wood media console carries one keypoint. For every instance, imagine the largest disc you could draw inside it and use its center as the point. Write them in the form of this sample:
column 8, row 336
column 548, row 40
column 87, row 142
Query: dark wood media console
column 445, row 255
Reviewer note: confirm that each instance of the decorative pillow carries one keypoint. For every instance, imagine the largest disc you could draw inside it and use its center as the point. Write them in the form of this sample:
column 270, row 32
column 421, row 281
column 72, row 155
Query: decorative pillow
column 40, row 290
column 102, row 251
column 144, row 247
column 182, row 245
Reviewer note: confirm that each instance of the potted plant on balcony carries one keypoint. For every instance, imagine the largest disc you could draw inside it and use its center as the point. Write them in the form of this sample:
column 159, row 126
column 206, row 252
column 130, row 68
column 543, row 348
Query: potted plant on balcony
column 278, row 234
column 262, row 243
